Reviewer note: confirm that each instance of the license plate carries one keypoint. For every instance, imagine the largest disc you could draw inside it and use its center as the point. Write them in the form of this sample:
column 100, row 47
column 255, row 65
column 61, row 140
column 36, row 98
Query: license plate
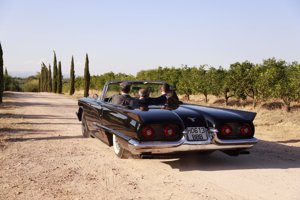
column 196, row 133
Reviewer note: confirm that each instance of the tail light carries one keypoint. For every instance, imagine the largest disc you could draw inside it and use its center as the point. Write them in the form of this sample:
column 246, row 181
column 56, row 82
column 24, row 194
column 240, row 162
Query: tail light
column 226, row 130
column 246, row 130
column 169, row 131
column 148, row 132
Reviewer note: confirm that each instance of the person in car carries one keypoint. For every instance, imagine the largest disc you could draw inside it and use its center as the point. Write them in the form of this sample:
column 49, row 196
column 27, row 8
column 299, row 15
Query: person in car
column 168, row 98
column 144, row 99
column 123, row 98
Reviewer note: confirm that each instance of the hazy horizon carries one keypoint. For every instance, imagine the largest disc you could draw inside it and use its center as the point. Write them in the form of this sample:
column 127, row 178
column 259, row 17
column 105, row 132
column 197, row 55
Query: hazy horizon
column 129, row 36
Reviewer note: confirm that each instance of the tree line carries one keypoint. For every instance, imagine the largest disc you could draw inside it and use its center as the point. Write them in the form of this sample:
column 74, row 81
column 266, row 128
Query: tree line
column 1, row 74
column 270, row 79
column 54, row 82
column 243, row 80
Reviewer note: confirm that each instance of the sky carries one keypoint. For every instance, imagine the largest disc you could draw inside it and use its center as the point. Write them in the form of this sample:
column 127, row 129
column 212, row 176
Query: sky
column 131, row 35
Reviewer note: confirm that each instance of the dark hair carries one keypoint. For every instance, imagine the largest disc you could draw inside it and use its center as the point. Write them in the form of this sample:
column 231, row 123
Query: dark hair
column 166, row 87
column 144, row 92
column 125, row 87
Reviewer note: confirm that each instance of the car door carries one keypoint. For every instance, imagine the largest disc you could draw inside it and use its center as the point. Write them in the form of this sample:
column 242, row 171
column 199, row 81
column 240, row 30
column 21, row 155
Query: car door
column 93, row 115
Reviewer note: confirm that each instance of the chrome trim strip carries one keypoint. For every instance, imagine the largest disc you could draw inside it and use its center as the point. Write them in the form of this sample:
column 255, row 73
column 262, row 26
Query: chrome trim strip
column 137, row 147
column 237, row 141
column 156, row 144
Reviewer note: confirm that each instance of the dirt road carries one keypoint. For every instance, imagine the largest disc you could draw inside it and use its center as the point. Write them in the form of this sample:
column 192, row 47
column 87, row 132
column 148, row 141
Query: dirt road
column 43, row 156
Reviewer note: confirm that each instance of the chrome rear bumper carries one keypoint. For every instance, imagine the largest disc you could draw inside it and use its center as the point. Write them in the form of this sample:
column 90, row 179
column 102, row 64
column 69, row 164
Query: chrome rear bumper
column 157, row 147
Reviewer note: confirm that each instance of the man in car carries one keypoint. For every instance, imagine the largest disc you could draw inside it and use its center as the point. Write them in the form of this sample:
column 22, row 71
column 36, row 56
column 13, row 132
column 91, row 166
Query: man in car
column 144, row 99
column 168, row 99
column 123, row 98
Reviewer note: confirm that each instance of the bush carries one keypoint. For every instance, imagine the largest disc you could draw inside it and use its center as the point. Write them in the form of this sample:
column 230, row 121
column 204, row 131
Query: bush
column 30, row 85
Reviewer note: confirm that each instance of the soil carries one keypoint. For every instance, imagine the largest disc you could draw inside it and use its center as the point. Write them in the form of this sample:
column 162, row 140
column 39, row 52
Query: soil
column 44, row 156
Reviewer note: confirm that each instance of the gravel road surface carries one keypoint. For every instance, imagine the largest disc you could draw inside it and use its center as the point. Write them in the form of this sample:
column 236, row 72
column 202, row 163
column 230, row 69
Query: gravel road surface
column 44, row 156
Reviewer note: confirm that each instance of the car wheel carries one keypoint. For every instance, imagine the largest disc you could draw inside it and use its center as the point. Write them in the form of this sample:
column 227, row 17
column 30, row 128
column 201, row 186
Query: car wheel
column 84, row 128
column 119, row 150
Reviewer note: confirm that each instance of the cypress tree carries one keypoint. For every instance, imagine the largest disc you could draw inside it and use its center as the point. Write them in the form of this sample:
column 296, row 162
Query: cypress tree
column 86, row 77
column 59, row 79
column 49, row 79
column 5, row 79
column 72, row 77
column 54, row 81
column 41, row 80
column 44, row 78
column 1, row 74
column 40, row 83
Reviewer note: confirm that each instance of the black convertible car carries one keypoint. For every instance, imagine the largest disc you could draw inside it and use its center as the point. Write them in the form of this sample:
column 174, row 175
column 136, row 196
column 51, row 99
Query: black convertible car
column 159, row 129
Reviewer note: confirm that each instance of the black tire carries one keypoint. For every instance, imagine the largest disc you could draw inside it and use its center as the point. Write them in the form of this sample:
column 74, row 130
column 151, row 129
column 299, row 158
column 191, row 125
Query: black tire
column 119, row 150
column 84, row 128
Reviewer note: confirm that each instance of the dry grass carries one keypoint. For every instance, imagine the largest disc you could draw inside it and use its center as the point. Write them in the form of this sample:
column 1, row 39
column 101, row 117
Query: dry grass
column 79, row 93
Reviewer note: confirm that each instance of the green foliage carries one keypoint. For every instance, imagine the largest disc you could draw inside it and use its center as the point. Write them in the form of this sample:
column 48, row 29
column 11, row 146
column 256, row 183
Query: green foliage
column 1, row 74
column 170, row 75
column 152, row 74
column 7, row 81
column 59, row 79
column 87, row 77
column 14, row 83
column 215, row 78
column 54, row 81
column 46, row 76
column 11, row 83
column 282, row 80
column 31, row 84
column 294, row 77
column 79, row 83
column 66, row 86
column 201, row 80
column 185, row 84
column 240, row 78
column 49, row 79
column 270, row 79
column 72, row 77
column 44, row 79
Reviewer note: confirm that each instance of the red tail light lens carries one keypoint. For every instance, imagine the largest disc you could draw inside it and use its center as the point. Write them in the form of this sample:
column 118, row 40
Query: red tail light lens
column 169, row 131
column 226, row 130
column 148, row 132
column 246, row 130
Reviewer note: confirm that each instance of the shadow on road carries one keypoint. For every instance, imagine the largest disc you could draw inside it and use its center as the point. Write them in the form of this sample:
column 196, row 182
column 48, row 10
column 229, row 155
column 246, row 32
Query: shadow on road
column 42, row 138
column 35, row 104
column 289, row 141
column 45, row 123
column 23, row 131
column 265, row 155
column 9, row 115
